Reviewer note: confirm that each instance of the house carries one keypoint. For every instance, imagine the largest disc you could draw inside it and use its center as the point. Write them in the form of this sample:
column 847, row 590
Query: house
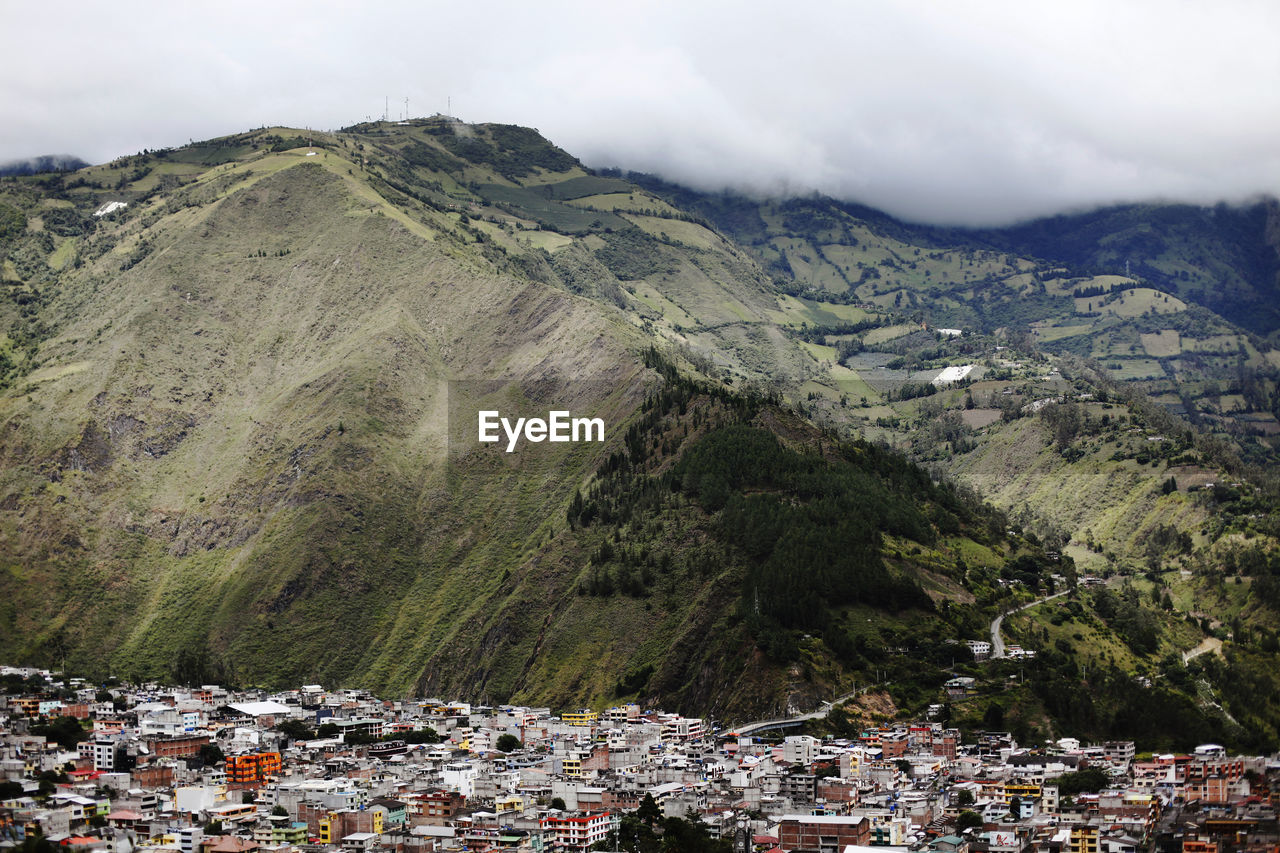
column 949, row 844
column 824, row 833
column 575, row 832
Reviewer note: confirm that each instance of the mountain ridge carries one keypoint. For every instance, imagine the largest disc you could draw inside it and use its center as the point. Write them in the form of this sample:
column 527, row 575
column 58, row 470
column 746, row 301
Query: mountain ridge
column 233, row 423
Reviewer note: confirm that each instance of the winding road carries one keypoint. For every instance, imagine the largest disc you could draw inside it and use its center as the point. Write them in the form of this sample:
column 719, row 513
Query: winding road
column 1208, row 644
column 997, row 642
column 997, row 651
column 784, row 722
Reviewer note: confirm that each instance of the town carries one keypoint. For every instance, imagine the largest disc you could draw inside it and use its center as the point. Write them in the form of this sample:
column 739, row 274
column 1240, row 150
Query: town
column 118, row 768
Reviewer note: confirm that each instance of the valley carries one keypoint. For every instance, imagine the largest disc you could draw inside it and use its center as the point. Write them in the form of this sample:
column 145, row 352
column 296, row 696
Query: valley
column 233, row 415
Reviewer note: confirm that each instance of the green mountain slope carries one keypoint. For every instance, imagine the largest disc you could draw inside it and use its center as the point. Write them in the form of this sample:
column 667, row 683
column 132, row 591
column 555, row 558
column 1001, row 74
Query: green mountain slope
column 242, row 418
column 1192, row 326
column 1225, row 258
column 237, row 430
column 239, row 434
column 731, row 558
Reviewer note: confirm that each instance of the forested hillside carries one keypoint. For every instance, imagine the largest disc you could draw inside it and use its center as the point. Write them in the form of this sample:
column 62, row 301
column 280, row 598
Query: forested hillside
column 240, row 381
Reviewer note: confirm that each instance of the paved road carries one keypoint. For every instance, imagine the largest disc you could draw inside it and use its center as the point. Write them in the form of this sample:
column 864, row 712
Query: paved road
column 997, row 651
column 1208, row 644
column 997, row 642
column 819, row 714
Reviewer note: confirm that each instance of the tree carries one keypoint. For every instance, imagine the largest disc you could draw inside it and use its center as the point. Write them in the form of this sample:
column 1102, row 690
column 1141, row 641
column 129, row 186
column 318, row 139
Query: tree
column 426, row 735
column 1064, row 421
column 295, row 730
column 648, row 810
column 965, row 798
column 65, row 731
column 636, row 836
column 1091, row 779
column 558, row 803
column 279, row 811
column 690, row 835
column 211, row 753
column 508, row 743
column 968, row 820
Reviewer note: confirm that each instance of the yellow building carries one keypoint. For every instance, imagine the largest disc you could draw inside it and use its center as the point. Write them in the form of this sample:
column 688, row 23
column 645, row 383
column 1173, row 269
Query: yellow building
column 1084, row 839
column 326, row 828
column 509, row 803
column 1021, row 790
column 581, row 717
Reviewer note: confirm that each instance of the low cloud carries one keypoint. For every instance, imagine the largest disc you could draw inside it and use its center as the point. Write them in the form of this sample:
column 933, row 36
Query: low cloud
column 974, row 113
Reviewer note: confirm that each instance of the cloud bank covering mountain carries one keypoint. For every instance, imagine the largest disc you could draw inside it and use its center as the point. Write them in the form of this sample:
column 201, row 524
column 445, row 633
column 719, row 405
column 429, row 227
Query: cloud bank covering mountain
column 977, row 113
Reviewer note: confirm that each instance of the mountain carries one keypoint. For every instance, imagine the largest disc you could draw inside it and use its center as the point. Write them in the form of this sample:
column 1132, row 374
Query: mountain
column 1225, row 258
column 241, row 413
column 239, row 433
column 1192, row 325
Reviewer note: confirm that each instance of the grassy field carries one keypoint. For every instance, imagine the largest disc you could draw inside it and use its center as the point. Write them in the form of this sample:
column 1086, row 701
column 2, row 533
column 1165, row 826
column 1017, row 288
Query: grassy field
column 1163, row 344
column 795, row 311
column 689, row 233
column 1057, row 333
column 1134, row 368
column 850, row 383
column 888, row 333
column 1131, row 303
column 629, row 202
column 1213, row 344
column 549, row 240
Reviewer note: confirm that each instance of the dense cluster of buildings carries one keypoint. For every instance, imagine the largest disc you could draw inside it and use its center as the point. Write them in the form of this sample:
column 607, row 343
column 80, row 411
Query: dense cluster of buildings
column 209, row 771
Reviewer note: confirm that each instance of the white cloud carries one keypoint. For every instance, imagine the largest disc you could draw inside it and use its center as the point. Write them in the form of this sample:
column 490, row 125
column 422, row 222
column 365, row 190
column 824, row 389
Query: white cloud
column 956, row 112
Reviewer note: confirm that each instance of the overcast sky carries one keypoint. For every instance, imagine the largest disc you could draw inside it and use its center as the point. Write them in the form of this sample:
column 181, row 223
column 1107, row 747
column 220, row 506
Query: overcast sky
column 970, row 112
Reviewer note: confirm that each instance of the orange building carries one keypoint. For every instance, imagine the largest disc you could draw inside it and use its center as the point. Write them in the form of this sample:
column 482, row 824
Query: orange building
column 252, row 768
column 1193, row 844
